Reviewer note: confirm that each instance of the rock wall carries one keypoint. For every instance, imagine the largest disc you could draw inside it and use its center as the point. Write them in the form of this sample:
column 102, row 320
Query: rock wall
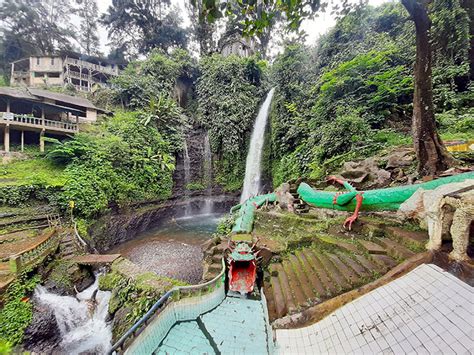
column 116, row 228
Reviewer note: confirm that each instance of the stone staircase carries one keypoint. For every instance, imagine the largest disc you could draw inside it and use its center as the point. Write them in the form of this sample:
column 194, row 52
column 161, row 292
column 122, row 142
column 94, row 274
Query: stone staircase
column 299, row 205
column 333, row 266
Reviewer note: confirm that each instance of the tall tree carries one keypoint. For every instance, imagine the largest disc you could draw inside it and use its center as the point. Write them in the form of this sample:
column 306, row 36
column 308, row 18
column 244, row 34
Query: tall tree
column 141, row 25
column 202, row 28
column 430, row 151
column 432, row 155
column 39, row 24
column 88, row 35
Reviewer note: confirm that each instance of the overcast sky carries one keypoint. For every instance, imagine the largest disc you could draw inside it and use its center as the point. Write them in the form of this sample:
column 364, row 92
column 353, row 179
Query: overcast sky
column 314, row 28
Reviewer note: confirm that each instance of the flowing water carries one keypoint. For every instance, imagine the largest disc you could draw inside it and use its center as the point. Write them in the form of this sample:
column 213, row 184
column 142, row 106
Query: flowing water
column 173, row 249
column 252, row 181
column 82, row 323
column 207, row 162
column 187, row 172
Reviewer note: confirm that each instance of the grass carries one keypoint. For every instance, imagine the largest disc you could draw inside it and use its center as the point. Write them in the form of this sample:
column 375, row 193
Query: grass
column 31, row 171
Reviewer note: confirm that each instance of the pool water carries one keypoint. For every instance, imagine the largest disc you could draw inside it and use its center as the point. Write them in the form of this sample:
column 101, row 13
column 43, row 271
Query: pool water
column 173, row 249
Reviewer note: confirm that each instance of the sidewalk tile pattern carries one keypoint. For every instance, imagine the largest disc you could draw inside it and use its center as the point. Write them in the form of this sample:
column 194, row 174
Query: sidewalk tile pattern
column 427, row 311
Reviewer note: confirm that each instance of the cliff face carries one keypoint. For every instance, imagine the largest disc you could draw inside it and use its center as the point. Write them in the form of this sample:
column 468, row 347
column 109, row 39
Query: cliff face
column 116, row 228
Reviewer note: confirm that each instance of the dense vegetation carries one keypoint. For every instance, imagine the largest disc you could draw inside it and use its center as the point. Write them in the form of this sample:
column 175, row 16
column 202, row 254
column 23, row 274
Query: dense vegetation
column 355, row 88
column 228, row 93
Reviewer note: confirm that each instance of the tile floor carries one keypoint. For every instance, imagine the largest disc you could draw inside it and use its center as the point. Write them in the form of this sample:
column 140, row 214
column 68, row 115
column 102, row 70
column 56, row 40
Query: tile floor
column 237, row 326
column 427, row 311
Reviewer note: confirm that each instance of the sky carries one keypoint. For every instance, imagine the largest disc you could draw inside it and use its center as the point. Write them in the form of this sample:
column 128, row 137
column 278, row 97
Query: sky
column 314, row 27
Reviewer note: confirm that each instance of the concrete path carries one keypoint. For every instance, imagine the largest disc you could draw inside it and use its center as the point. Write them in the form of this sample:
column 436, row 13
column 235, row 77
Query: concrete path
column 427, row 311
column 236, row 326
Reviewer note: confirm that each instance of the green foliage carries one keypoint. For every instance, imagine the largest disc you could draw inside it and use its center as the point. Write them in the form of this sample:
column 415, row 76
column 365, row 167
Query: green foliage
column 17, row 311
column 345, row 98
column 455, row 124
column 142, row 81
column 123, row 161
column 224, row 227
column 228, row 94
column 35, row 171
column 195, row 186
column 371, row 83
column 5, row 347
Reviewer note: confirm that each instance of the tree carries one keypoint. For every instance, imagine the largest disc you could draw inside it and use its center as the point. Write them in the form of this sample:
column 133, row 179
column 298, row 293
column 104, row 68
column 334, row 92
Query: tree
column 202, row 28
column 141, row 25
column 430, row 151
column 88, row 37
column 37, row 25
column 432, row 155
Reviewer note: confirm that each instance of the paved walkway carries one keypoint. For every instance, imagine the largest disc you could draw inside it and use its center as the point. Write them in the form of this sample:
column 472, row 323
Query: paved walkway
column 427, row 311
column 236, row 326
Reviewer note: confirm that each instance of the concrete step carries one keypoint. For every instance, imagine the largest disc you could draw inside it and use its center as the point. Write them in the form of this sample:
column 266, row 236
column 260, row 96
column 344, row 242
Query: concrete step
column 349, row 274
column 371, row 247
column 295, row 286
column 303, row 280
column 384, row 261
column 369, row 265
column 354, row 265
column 267, row 289
column 312, row 276
column 352, row 248
column 396, row 250
column 334, row 273
column 318, row 267
column 278, row 298
column 416, row 239
column 285, row 287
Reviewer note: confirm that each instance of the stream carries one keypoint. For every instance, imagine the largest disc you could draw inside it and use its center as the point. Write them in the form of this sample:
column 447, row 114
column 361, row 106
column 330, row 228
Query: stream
column 173, row 249
column 82, row 324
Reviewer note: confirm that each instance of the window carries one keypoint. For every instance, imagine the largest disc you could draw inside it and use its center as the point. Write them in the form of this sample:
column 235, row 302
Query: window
column 52, row 60
column 53, row 75
column 37, row 60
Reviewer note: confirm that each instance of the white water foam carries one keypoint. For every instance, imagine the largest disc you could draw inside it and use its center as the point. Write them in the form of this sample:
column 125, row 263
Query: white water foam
column 83, row 329
column 252, row 181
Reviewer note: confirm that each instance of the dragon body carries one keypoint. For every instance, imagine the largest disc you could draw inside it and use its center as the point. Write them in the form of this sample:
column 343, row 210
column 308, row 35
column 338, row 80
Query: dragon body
column 388, row 199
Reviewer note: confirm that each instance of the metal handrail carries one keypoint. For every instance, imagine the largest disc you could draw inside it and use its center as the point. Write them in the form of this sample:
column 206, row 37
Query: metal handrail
column 160, row 303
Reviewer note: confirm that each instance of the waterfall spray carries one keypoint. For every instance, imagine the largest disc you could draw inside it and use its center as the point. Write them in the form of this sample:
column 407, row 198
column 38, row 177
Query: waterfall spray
column 252, row 181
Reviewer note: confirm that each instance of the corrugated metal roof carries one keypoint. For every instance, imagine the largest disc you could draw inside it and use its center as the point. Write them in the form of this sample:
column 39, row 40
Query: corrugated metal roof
column 38, row 95
column 74, row 100
column 24, row 94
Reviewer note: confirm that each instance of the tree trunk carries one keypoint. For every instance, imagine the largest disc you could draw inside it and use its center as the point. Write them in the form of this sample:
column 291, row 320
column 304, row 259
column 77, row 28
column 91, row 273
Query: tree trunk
column 468, row 5
column 433, row 157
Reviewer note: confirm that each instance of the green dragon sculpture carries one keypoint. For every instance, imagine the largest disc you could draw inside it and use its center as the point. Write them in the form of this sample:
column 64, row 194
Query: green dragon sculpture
column 388, row 199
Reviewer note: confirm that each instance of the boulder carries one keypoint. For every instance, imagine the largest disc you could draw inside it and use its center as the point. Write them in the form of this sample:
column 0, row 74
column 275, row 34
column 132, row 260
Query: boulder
column 400, row 158
column 366, row 174
column 43, row 334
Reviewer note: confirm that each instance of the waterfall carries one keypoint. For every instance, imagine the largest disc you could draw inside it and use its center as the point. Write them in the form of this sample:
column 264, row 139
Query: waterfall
column 207, row 163
column 252, row 183
column 83, row 328
column 187, row 175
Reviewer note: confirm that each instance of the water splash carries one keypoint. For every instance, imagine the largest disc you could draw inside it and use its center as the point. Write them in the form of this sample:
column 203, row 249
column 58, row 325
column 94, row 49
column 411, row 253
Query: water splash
column 252, row 181
column 83, row 328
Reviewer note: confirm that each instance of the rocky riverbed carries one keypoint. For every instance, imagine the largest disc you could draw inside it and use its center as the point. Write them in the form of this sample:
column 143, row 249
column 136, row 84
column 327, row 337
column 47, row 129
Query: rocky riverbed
column 174, row 249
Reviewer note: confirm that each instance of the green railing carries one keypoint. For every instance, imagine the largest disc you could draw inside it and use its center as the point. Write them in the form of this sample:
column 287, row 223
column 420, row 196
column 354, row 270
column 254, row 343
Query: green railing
column 174, row 295
column 35, row 254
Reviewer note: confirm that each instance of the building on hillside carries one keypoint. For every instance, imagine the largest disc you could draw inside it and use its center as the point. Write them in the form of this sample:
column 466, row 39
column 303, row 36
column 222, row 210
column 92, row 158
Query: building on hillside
column 28, row 114
column 84, row 72
column 234, row 43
